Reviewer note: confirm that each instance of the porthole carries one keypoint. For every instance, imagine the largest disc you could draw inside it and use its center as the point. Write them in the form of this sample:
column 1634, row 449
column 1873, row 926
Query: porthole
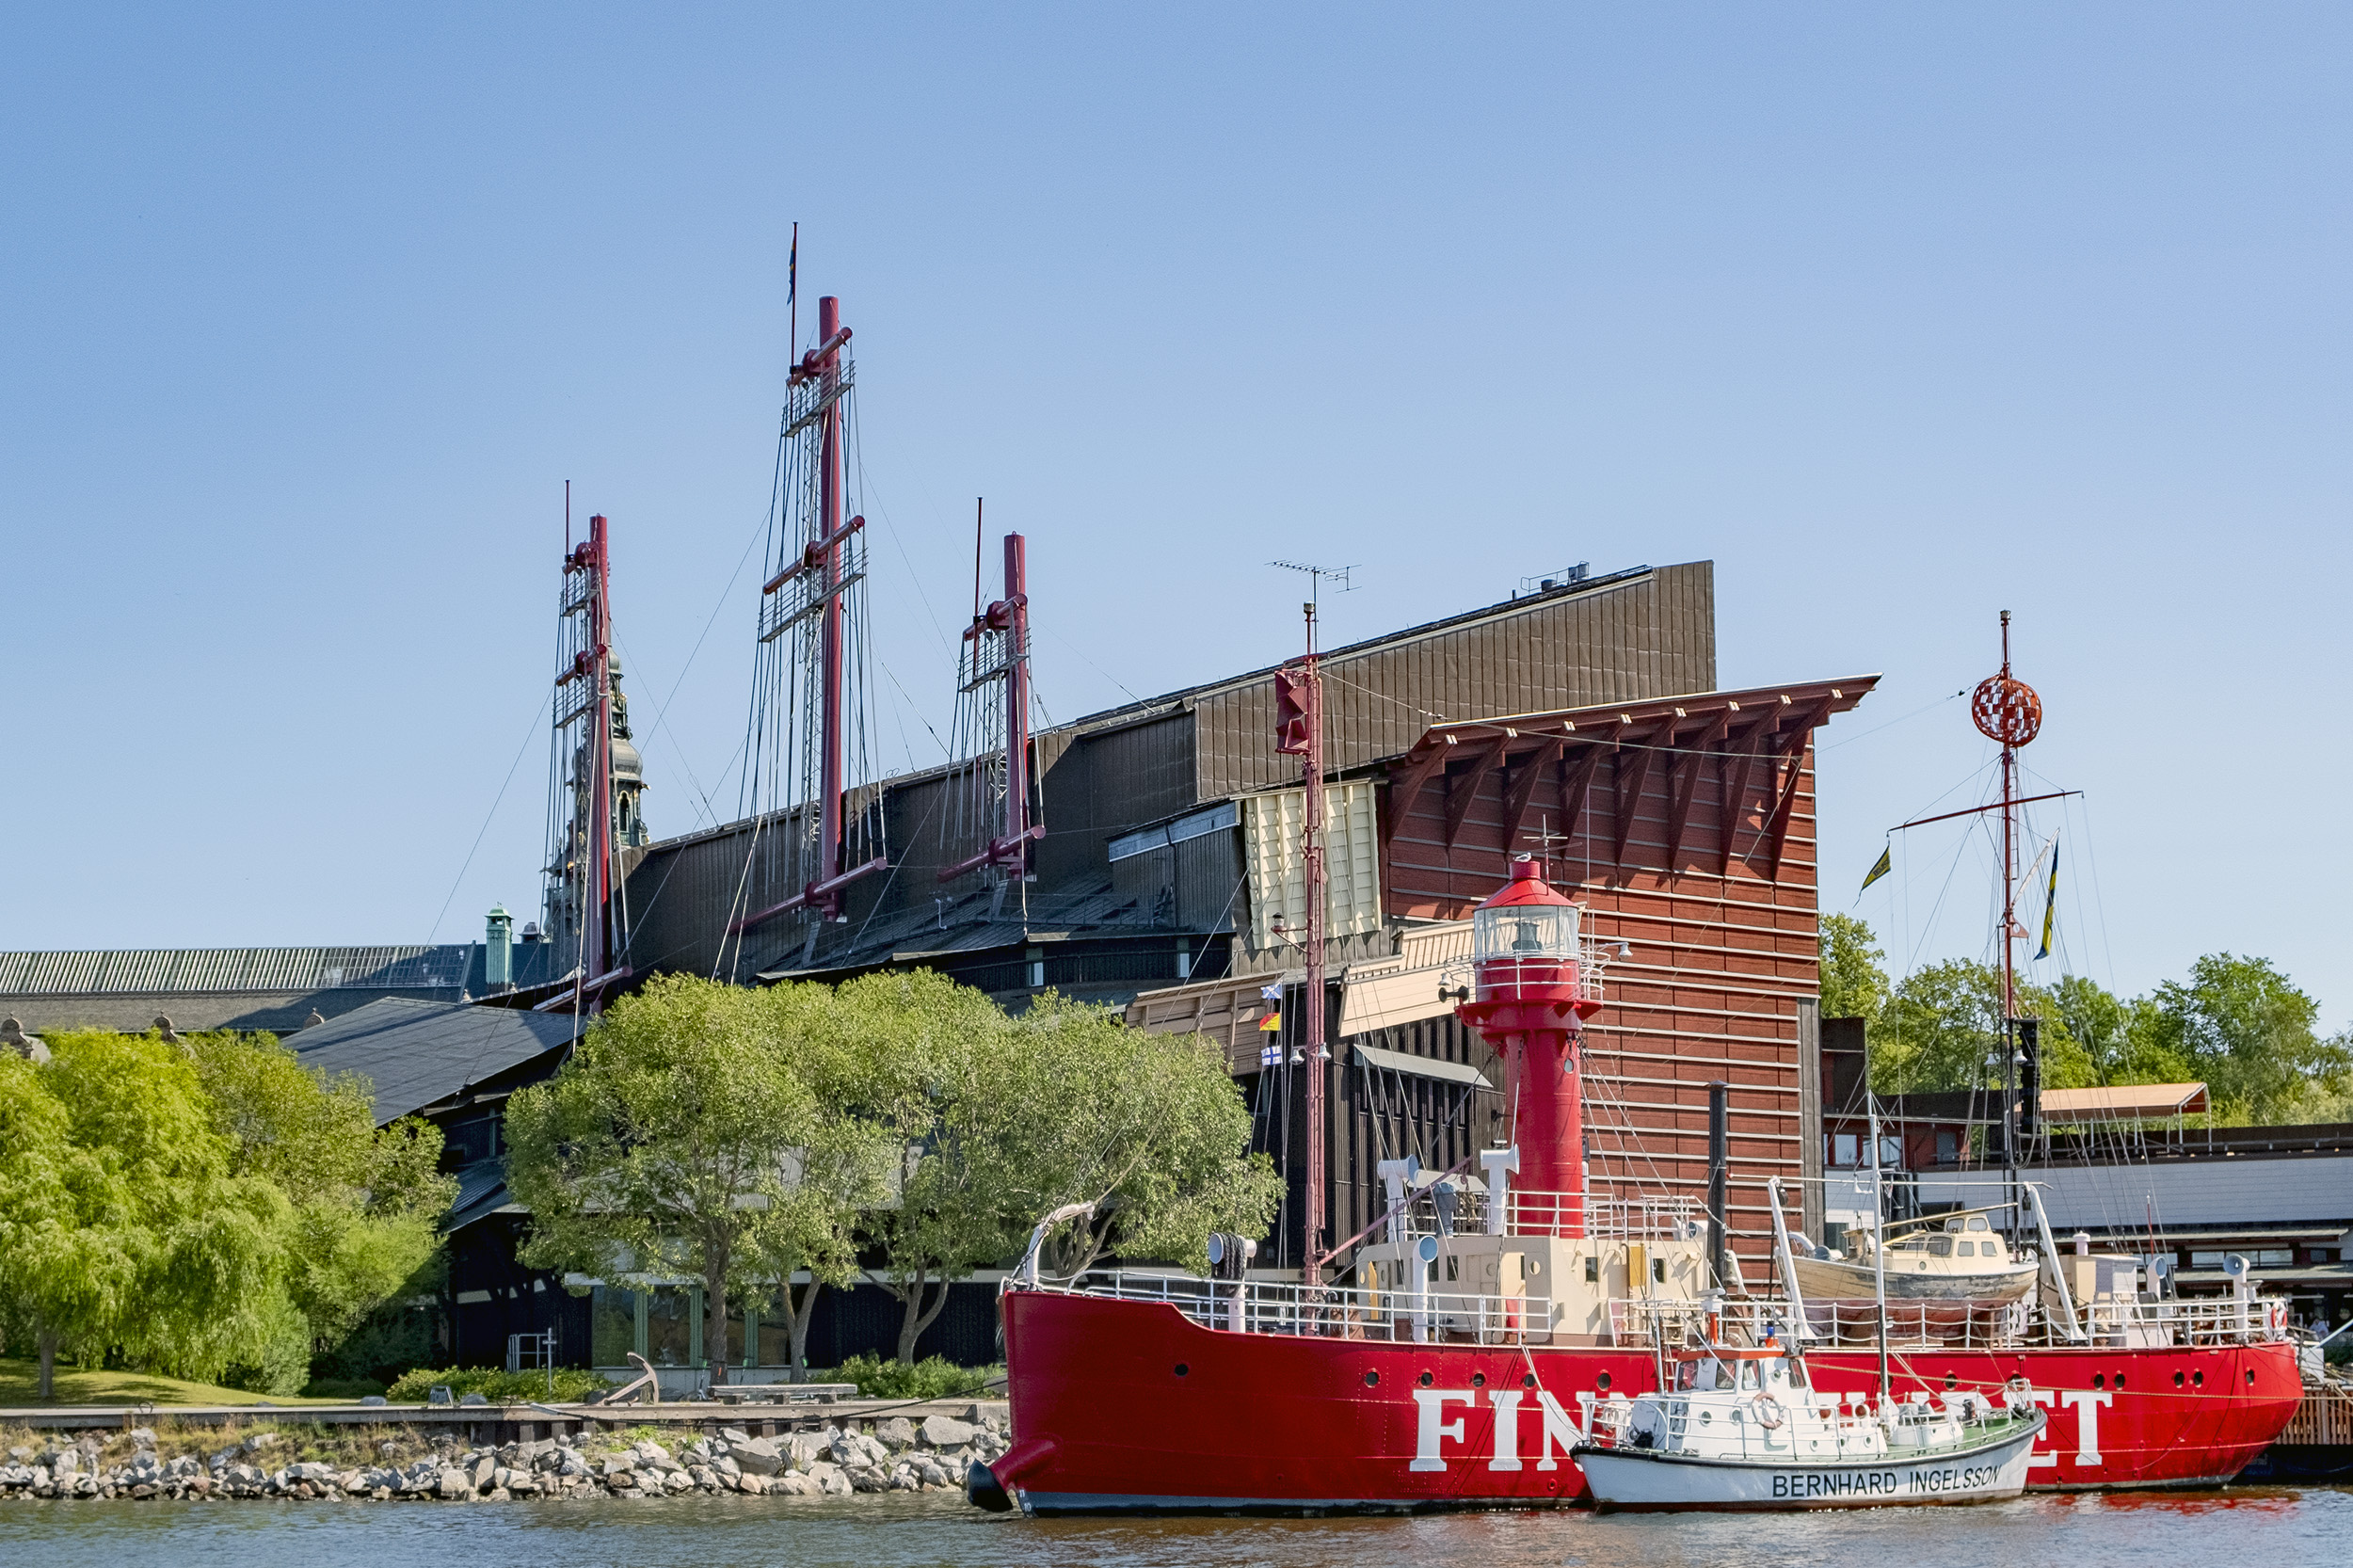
column 1373, row 1379
column 1426, row 1380
column 2251, row 1377
column 2120, row 1380
column 2198, row 1378
column 1478, row 1380
column 1182, row 1368
column 1528, row 1379
column 1951, row 1382
column 2177, row 1380
column 2099, row 1379
column 1602, row 1383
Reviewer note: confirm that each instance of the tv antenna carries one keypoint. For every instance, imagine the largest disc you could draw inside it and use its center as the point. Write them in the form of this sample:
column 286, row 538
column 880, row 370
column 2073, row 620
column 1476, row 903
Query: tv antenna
column 1318, row 576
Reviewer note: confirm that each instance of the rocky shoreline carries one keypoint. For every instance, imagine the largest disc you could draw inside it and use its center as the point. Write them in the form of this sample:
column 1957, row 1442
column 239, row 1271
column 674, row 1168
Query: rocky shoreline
column 838, row 1460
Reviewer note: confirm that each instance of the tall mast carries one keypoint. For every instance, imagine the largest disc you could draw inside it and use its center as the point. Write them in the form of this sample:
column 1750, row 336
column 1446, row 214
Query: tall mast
column 1311, row 853
column 2006, row 709
column 582, row 873
column 810, row 704
column 990, row 721
column 829, row 639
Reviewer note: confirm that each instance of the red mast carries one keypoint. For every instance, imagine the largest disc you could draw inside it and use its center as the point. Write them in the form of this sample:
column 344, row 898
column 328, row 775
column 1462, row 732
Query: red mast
column 823, row 361
column 1299, row 728
column 581, row 908
column 996, row 649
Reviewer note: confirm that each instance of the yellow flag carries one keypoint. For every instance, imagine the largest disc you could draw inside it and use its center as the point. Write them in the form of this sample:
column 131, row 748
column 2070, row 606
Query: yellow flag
column 1885, row 863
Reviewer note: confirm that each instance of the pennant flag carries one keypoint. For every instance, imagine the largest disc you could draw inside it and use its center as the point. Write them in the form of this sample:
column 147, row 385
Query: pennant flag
column 1272, row 1022
column 1270, row 1056
column 1885, row 863
column 2050, row 901
column 792, row 269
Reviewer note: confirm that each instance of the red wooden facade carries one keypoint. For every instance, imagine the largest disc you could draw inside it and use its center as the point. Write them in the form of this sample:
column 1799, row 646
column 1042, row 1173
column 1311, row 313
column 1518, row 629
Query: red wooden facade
column 1686, row 826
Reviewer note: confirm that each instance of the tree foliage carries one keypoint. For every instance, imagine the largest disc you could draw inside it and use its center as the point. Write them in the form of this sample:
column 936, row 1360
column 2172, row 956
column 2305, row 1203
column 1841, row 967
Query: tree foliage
column 899, row 1125
column 205, row 1208
column 674, row 1144
column 2236, row 1024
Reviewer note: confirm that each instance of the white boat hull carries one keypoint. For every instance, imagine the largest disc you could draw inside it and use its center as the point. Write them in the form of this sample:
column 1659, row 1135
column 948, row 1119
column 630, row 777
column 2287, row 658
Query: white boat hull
column 1642, row 1478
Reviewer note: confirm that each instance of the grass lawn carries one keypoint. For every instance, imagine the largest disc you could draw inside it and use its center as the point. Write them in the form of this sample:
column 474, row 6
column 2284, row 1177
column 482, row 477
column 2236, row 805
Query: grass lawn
column 19, row 1379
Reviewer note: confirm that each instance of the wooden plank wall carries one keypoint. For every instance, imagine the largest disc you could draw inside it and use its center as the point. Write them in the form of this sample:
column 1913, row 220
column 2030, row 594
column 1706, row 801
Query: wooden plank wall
column 1720, row 965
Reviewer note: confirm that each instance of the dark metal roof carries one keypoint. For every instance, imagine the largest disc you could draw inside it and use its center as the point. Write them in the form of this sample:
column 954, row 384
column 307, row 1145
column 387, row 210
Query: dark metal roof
column 185, row 970
column 418, row 1053
column 968, row 925
column 481, row 1193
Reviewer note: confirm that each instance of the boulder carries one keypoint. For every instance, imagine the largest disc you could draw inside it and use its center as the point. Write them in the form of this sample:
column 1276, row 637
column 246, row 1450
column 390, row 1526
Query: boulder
column 752, row 1485
column 943, row 1431
column 143, row 1437
column 733, row 1435
column 260, row 1440
column 311, row 1471
column 897, row 1432
column 795, row 1486
column 483, row 1471
column 651, row 1449
column 617, row 1465
column 454, row 1484
column 756, row 1456
column 675, row 1481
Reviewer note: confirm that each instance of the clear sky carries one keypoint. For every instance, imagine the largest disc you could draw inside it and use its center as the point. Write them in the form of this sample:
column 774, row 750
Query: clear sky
column 1903, row 315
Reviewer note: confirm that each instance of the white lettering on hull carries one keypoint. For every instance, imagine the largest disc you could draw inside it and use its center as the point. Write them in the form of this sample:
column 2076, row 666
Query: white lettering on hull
column 1507, row 1403
column 2086, row 1404
column 1433, row 1426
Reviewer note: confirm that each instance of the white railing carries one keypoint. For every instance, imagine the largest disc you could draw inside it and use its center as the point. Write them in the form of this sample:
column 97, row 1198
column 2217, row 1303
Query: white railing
column 1327, row 1311
column 1955, row 1325
column 1531, row 1212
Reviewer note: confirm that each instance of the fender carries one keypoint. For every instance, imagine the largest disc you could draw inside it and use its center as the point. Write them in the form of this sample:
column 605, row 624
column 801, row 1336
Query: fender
column 986, row 1486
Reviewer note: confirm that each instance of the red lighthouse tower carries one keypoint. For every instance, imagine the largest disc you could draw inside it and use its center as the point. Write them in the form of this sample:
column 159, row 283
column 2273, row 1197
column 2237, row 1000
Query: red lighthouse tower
column 1531, row 998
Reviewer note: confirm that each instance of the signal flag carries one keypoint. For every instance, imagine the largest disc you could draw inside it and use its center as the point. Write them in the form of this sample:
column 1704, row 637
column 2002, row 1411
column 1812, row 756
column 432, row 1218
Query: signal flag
column 1885, row 863
column 2050, row 901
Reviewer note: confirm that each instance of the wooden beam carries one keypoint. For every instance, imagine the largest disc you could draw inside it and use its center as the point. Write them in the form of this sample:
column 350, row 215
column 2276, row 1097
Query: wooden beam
column 1463, row 791
column 1735, row 768
column 1523, row 790
column 1793, row 754
column 1630, row 794
column 1576, row 778
column 1685, row 768
column 1405, row 789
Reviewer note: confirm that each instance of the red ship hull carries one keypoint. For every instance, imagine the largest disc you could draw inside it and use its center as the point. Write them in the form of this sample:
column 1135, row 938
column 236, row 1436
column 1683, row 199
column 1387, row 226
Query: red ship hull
column 1129, row 1406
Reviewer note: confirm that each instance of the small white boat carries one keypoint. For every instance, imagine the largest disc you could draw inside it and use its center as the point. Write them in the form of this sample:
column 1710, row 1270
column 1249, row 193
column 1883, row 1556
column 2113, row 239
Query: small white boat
column 1943, row 1258
column 1742, row 1428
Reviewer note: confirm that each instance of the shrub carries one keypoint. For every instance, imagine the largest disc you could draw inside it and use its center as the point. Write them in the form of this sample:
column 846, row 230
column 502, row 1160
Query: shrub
column 933, row 1378
column 573, row 1383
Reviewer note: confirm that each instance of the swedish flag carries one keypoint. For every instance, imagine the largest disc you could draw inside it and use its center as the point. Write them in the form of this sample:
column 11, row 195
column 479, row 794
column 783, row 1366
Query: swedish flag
column 2050, row 901
column 1885, row 863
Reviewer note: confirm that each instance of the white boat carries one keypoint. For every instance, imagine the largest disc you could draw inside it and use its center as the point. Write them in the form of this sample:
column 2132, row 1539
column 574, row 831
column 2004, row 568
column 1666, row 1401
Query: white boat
column 1742, row 1428
column 1954, row 1256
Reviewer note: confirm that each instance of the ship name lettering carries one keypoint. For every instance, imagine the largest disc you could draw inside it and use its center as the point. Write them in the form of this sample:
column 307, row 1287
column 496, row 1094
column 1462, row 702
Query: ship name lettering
column 1432, row 1425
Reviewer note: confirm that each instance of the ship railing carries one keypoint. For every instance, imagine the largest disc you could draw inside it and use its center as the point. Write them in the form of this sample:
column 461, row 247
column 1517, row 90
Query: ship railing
column 1327, row 1311
column 1528, row 1211
column 1944, row 1324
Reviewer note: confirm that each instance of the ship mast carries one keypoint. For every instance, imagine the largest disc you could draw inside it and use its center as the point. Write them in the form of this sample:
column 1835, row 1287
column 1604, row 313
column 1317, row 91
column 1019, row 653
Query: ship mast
column 1299, row 731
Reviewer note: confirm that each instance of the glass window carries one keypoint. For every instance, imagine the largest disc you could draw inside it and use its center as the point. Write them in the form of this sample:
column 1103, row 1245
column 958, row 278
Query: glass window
column 775, row 1331
column 735, row 1331
column 1977, row 1221
column 1968, row 1249
column 1844, row 1146
column 669, row 1325
column 1947, row 1146
column 1892, row 1152
column 612, row 1325
column 1940, row 1246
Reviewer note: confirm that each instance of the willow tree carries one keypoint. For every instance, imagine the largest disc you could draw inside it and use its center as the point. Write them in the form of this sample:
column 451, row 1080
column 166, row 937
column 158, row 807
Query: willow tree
column 139, row 1239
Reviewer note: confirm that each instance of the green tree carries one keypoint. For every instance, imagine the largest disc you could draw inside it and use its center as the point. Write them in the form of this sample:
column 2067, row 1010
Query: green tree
column 1148, row 1127
column 671, row 1144
column 365, row 1203
column 2241, row 1028
column 935, row 1072
column 37, row 1208
column 1854, row 985
column 166, row 1254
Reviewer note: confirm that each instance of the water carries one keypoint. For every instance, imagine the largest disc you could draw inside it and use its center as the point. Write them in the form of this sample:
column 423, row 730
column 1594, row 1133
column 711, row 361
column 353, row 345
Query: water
column 2278, row 1528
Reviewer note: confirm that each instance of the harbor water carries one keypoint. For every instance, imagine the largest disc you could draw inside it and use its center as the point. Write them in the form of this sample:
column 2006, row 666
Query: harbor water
column 2275, row 1527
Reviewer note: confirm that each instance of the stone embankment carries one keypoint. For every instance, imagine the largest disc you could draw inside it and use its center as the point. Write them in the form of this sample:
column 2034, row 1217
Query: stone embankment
column 893, row 1455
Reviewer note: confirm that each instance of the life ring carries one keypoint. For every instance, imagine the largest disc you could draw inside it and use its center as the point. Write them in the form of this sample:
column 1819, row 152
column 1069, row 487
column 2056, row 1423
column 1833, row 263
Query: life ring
column 1768, row 1412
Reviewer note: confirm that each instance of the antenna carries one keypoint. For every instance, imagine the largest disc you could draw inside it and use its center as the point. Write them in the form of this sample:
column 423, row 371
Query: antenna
column 1319, row 575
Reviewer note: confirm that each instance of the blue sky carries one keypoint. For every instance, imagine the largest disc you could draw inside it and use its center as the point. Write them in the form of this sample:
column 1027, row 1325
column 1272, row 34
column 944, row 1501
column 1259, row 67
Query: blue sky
column 1901, row 315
